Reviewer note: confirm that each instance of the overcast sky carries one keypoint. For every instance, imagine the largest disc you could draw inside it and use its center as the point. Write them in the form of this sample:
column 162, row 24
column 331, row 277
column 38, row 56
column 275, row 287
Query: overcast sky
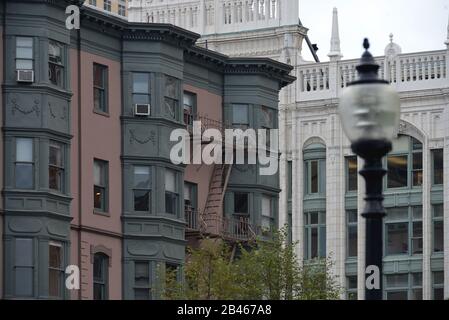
column 417, row 25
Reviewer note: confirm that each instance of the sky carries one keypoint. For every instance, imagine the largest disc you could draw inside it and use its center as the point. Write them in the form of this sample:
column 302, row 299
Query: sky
column 417, row 25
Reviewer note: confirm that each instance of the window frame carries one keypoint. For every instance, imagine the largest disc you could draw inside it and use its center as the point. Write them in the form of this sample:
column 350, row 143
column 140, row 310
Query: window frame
column 271, row 217
column 351, row 224
column 60, row 169
column 437, row 286
column 103, row 90
column 30, row 266
column 193, row 107
column 17, row 58
column 59, row 270
column 240, row 124
column 17, row 162
column 149, row 188
column 247, row 203
column 107, row 5
column 409, row 288
column 173, row 99
column 433, row 151
column 104, row 185
column 347, row 171
column 135, row 92
column 320, row 227
column 439, row 219
column 103, row 282
column 58, row 66
column 172, row 195
column 149, row 284
column 121, row 8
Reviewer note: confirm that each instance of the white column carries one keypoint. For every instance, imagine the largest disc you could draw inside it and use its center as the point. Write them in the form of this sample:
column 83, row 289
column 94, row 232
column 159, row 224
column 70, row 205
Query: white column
column 427, row 223
column 202, row 17
column 361, row 234
column 283, row 172
column 297, row 187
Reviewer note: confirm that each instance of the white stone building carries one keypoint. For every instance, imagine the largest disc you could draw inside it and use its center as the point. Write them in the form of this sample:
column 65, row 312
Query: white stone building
column 322, row 195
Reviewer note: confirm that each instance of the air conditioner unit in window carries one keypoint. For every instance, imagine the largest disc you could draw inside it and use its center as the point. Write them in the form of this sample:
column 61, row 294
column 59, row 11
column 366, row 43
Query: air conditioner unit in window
column 142, row 109
column 25, row 76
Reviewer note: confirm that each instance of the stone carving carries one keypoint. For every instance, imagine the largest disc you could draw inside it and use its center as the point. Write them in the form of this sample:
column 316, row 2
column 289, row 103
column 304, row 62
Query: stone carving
column 151, row 137
column 17, row 107
column 53, row 115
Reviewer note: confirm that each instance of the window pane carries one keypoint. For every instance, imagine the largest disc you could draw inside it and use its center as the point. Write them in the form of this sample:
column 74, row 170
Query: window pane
column 438, row 294
column 170, row 180
column 24, row 252
column 438, row 278
column 416, row 144
column 171, row 87
column 417, row 241
column 55, row 256
column 187, row 192
column 417, row 213
column 437, row 166
column 352, row 173
column 240, row 203
column 141, row 82
column 397, row 238
column 438, row 236
column 55, row 155
column 55, row 176
column 189, row 100
column 170, row 202
column 141, row 294
column 99, row 76
column 98, row 173
column 438, row 211
column 24, row 64
column 314, row 243
column 24, row 150
column 352, row 241
column 417, row 279
column 322, row 234
column 352, row 216
column 266, row 206
column 142, row 274
column 141, row 99
column 313, row 218
column 25, row 42
column 55, row 52
column 395, row 214
column 99, row 291
column 24, row 176
column 397, row 280
column 142, row 200
column 240, row 114
column 397, row 171
column 54, row 283
column 99, row 198
column 142, row 178
column 314, row 177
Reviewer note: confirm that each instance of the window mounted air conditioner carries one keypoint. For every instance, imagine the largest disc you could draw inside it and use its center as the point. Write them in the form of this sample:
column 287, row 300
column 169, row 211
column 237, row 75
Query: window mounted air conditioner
column 142, row 109
column 25, row 76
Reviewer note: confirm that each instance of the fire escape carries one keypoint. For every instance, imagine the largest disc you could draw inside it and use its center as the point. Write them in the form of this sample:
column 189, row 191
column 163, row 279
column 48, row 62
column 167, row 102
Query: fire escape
column 212, row 222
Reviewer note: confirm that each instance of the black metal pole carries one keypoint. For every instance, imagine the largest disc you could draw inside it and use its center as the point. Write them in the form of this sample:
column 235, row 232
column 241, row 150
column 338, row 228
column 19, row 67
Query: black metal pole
column 372, row 151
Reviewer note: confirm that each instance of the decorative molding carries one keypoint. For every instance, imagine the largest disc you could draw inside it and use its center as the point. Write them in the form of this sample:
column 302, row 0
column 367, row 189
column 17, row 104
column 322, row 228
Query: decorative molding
column 16, row 107
column 53, row 115
column 151, row 137
column 100, row 249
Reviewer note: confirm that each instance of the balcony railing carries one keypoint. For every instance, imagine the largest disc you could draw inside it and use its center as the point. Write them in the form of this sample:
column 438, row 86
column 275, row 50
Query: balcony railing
column 237, row 228
column 192, row 217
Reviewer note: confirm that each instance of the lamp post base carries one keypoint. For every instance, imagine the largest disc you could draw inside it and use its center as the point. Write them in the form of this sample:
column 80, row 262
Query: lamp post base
column 372, row 151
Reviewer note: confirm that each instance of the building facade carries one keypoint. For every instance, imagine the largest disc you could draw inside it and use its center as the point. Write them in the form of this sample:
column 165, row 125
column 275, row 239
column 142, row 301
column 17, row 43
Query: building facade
column 87, row 179
column 322, row 195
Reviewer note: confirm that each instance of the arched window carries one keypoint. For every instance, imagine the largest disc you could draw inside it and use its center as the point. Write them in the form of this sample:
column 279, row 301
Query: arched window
column 101, row 278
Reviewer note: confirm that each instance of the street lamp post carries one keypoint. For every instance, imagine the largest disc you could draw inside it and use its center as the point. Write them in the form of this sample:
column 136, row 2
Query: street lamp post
column 369, row 109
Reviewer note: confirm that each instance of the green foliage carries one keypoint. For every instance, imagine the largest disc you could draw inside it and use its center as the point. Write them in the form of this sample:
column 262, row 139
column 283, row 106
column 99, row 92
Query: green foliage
column 263, row 270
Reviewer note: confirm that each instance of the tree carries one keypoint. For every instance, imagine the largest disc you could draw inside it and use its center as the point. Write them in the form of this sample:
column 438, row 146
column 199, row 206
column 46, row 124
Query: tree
column 262, row 270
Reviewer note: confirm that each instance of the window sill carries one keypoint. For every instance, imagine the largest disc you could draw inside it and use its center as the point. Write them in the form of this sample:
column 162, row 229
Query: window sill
column 101, row 113
column 101, row 213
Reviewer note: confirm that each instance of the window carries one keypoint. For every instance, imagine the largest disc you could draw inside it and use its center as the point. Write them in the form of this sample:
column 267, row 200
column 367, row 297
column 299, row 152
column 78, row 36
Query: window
column 56, row 166
column 171, row 98
column 240, row 116
column 100, row 87
column 93, row 2
column 190, row 205
column 315, row 235
column 142, row 284
column 404, row 232
column 24, row 53
column 241, row 203
column 352, row 218
column 100, row 185
column 405, row 163
column 189, row 107
column 351, row 287
column 290, row 178
column 107, row 5
column 122, row 8
column 171, row 277
column 267, row 214
column 437, row 158
column 141, row 88
column 55, row 270
column 438, row 285
column 55, row 63
column 352, row 173
column 403, row 286
column 171, row 194
column 24, row 165
column 313, row 176
column 142, row 188
column 101, row 265
column 438, row 228
column 23, row 267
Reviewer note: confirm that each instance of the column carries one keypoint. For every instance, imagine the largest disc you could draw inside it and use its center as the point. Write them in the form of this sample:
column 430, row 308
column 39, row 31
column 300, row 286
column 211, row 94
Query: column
column 283, row 175
column 446, row 203
column 297, row 186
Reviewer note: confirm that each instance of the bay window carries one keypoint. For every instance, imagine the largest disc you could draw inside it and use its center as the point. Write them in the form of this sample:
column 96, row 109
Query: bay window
column 171, row 193
column 24, row 164
column 142, row 188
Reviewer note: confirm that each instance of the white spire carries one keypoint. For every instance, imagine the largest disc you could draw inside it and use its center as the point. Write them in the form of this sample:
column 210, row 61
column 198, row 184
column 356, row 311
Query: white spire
column 335, row 53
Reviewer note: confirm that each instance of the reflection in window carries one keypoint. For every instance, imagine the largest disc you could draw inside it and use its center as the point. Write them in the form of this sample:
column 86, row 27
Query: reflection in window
column 398, row 222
